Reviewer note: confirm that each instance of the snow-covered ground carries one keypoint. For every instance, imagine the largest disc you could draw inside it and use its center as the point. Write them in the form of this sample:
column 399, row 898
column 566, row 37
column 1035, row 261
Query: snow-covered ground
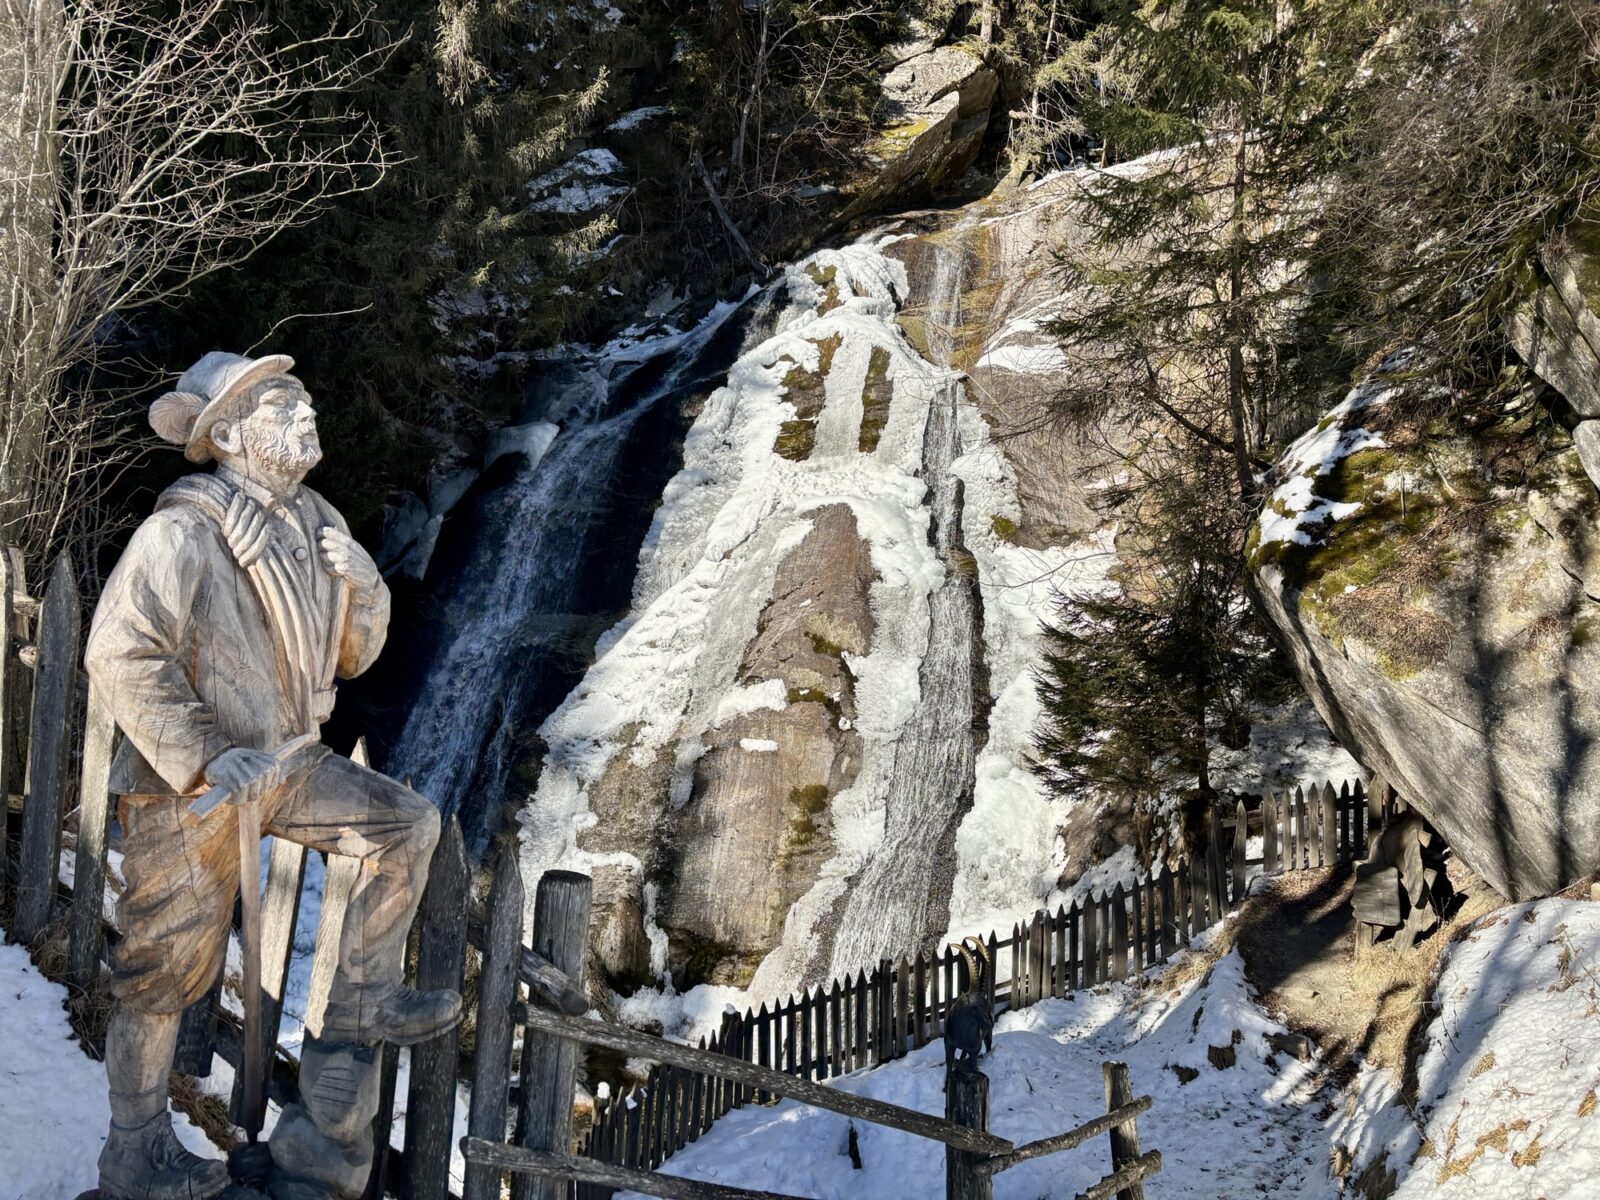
column 1252, row 1129
column 53, row 1110
column 1507, row 1086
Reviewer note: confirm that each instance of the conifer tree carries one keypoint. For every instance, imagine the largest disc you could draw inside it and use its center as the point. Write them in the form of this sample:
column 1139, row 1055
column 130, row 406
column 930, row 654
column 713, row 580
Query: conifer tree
column 1182, row 329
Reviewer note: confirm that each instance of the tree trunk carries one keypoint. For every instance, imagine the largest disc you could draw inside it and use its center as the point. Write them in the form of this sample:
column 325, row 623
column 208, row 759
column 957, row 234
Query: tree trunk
column 33, row 54
column 1236, row 380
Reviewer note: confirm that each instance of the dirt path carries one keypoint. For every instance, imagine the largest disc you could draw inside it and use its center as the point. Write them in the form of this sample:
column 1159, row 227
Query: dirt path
column 1297, row 935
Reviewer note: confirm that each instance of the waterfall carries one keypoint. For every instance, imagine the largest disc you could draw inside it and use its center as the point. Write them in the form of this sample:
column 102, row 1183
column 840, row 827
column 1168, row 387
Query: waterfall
column 513, row 624
column 902, row 894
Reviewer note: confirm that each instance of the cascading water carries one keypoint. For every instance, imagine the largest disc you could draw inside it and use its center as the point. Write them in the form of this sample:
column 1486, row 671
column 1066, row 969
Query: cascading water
column 510, row 623
column 902, row 893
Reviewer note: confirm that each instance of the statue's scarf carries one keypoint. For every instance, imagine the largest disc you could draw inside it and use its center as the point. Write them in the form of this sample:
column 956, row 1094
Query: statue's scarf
column 305, row 669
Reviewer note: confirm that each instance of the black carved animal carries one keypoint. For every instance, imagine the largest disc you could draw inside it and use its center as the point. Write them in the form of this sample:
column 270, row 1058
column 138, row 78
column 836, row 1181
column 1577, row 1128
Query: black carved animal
column 969, row 1023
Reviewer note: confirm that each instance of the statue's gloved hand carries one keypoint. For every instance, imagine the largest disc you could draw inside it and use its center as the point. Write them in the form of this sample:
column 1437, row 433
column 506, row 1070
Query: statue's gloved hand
column 247, row 774
column 347, row 557
column 245, row 526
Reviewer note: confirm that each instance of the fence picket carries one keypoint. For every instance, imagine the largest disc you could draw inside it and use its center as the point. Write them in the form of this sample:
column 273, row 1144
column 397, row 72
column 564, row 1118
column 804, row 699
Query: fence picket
column 1330, row 825
column 1119, row 932
column 497, row 991
column 10, row 678
column 441, row 955
column 54, row 696
column 89, row 859
column 1136, row 943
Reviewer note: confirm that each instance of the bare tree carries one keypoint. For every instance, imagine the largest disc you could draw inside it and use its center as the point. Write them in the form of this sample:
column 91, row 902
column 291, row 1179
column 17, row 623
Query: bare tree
column 143, row 146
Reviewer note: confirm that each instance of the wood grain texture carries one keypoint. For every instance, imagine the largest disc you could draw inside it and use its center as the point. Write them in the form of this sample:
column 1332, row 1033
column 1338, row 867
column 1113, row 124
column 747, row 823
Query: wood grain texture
column 544, row 1121
column 55, row 690
column 967, row 1106
column 497, row 992
column 441, row 955
column 89, row 865
column 554, row 1167
column 1124, row 1135
column 642, row 1045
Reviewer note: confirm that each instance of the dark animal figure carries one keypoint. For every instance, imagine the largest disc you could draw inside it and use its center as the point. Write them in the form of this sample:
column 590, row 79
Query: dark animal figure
column 969, row 1023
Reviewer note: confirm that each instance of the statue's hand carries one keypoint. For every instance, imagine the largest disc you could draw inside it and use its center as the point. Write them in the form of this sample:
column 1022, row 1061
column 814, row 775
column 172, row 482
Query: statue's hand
column 245, row 526
column 247, row 774
column 347, row 557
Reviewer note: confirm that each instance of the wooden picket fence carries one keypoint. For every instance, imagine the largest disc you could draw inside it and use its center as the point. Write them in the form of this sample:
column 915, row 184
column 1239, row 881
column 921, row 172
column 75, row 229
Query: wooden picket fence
column 868, row 1019
column 56, row 745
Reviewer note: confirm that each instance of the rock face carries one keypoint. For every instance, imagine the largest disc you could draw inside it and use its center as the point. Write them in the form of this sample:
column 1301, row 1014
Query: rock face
column 1557, row 332
column 931, row 120
column 1435, row 580
column 756, row 824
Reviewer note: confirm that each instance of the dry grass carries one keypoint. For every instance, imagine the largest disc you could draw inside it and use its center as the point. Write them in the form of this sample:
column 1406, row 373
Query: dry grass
column 1369, row 1003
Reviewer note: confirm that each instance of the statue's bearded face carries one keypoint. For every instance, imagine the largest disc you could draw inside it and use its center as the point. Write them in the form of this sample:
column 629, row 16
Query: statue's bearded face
column 279, row 435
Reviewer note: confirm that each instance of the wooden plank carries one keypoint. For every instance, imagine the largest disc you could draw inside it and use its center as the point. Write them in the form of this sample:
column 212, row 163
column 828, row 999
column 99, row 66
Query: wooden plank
column 919, row 1000
column 1302, row 831
column 1330, row 825
column 280, row 908
column 1216, row 873
column 55, row 690
column 1269, row 834
column 197, row 1035
column 883, row 1011
column 497, row 992
column 805, row 1017
column 989, row 981
column 1125, row 1135
column 441, row 955
column 89, row 859
column 1241, row 835
column 902, row 1007
column 339, row 880
column 1070, row 1140
column 552, row 1167
column 1119, row 932
column 967, row 1105
column 544, row 1120
column 861, row 1021
column 643, row 1045
column 1058, row 974
column 382, row 1125
column 1091, row 941
column 1181, row 899
column 1074, row 967
column 9, row 674
column 1118, row 1181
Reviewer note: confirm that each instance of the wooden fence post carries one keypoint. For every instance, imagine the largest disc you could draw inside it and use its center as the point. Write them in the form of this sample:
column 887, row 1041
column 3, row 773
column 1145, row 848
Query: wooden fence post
column 1119, row 933
column 54, row 693
column 560, row 933
column 967, row 1104
column 1181, row 907
column 89, row 860
column 1091, row 942
column 1216, row 878
column 8, row 697
column 497, row 992
column 1330, row 826
column 1241, row 837
column 1269, row 834
column 441, row 955
column 1124, row 1137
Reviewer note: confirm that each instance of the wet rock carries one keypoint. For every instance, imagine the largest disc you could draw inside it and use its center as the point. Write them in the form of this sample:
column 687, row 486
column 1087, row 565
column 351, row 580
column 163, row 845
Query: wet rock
column 931, row 118
column 756, row 824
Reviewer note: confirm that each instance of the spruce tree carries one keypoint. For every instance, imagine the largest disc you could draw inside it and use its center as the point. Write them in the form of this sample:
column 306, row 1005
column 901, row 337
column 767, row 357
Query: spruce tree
column 1183, row 328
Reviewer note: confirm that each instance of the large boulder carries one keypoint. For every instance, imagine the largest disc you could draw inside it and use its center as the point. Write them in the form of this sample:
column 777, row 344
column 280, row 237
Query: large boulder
column 930, row 122
column 1432, row 566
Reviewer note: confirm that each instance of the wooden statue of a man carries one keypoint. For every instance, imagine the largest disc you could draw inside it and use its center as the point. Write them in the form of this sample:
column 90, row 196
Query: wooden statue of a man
column 217, row 641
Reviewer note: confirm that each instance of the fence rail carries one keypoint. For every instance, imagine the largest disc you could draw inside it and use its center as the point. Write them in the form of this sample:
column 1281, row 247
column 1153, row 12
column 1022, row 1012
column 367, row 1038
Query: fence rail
column 56, row 743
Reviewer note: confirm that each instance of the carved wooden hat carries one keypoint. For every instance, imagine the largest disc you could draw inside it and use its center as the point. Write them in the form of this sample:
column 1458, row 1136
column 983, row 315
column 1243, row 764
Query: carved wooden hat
column 184, row 416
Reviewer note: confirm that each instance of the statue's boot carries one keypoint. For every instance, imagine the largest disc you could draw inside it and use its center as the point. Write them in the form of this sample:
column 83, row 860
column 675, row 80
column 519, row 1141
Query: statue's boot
column 142, row 1158
column 404, row 1018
